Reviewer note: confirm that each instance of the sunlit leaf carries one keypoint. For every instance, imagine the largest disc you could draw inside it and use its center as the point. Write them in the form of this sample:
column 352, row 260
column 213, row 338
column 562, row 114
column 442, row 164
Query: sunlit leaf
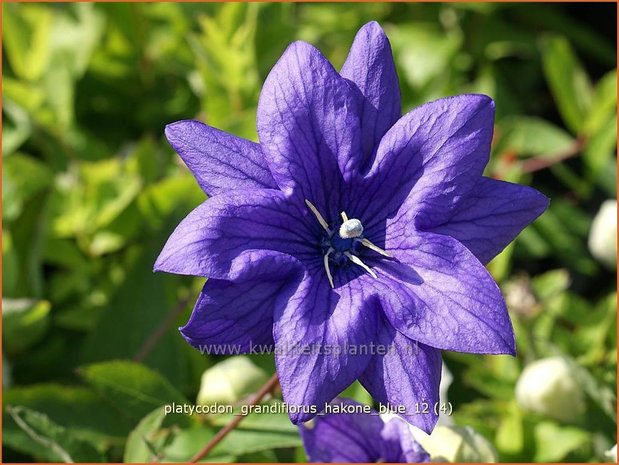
column 567, row 80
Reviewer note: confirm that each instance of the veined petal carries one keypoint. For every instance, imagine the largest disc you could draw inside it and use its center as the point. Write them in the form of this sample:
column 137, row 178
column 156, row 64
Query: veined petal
column 436, row 292
column 219, row 161
column 308, row 126
column 343, row 438
column 315, row 335
column 232, row 317
column 492, row 215
column 408, row 375
column 429, row 160
column 211, row 239
column 370, row 66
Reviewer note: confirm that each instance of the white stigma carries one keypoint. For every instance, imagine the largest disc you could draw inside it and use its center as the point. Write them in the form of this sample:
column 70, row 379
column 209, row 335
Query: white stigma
column 351, row 228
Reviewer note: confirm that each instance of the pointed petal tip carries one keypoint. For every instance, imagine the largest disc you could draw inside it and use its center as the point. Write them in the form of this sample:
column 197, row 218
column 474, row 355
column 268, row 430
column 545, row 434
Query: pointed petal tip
column 192, row 341
column 162, row 265
column 482, row 100
column 298, row 418
column 537, row 202
column 479, row 100
column 185, row 334
column 166, row 264
column 171, row 130
column 372, row 27
column 302, row 46
column 424, row 422
column 508, row 347
column 544, row 203
column 157, row 266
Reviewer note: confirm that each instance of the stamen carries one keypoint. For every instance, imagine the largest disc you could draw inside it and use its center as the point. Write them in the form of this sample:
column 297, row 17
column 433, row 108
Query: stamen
column 351, row 228
column 357, row 261
column 325, row 260
column 375, row 248
column 315, row 211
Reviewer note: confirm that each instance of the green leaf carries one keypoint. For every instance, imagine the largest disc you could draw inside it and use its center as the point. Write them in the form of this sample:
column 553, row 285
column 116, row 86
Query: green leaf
column 24, row 323
column 190, row 441
column 94, row 196
column 24, row 94
column 27, row 236
column 567, row 80
column 510, row 433
column 59, row 88
column 156, row 430
column 22, row 178
column 600, row 394
column 135, row 389
column 186, row 443
column 136, row 311
column 500, row 265
column 172, row 194
column 599, row 152
column 16, row 127
column 604, row 103
column 143, row 443
column 79, row 409
column 563, row 230
column 53, row 442
column 433, row 51
column 10, row 261
column 77, row 35
column 555, row 442
column 551, row 283
column 276, row 421
column 530, row 136
column 26, row 38
column 246, row 442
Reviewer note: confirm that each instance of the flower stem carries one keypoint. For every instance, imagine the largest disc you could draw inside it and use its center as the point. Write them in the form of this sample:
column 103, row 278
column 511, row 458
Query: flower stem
column 160, row 331
column 546, row 161
column 222, row 433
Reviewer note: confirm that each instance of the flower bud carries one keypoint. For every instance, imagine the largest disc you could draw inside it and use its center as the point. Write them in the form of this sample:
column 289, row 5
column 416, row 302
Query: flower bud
column 603, row 234
column 519, row 297
column 230, row 381
column 611, row 454
column 456, row 444
column 549, row 387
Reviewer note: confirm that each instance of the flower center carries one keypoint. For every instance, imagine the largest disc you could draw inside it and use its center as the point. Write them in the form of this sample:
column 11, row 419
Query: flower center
column 339, row 246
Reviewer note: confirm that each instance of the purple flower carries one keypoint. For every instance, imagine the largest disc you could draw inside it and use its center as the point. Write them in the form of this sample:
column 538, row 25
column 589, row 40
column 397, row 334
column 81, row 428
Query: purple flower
column 349, row 229
column 358, row 437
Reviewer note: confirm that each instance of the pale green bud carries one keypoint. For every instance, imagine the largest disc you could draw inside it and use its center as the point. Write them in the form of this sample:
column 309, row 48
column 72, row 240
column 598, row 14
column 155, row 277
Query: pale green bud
column 603, row 234
column 549, row 387
column 456, row 444
column 611, row 454
column 230, row 381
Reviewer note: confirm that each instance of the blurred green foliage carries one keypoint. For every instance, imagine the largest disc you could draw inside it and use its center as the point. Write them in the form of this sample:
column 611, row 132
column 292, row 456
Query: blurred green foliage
column 91, row 191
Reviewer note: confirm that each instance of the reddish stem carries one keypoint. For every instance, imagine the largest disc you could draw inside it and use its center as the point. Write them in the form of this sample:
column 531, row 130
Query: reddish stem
column 222, row 433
